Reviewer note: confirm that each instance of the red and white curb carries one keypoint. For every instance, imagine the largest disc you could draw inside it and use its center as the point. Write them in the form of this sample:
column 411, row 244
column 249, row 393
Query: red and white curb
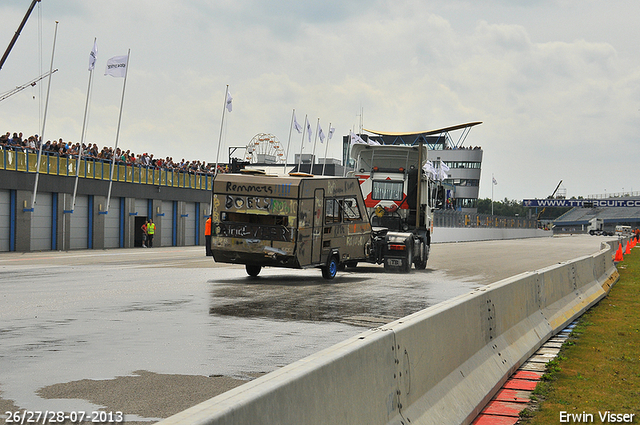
column 515, row 395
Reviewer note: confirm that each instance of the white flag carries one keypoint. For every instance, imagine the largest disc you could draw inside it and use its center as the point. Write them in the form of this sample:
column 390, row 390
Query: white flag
column 116, row 66
column 331, row 131
column 320, row 134
column 309, row 130
column 229, row 100
column 355, row 138
column 373, row 142
column 297, row 126
column 494, row 180
column 93, row 55
column 430, row 170
column 444, row 171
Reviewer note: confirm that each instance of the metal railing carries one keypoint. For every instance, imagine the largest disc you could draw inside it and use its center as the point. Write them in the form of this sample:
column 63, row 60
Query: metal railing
column 450, row 218
column 631, row 194
column 17, row 160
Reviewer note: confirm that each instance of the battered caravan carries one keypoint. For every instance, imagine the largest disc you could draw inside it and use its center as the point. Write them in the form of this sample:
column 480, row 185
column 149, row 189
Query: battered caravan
column 295, row 221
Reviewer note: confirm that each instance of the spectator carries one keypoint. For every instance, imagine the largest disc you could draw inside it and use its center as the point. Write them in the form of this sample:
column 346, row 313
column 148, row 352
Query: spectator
column 32, row 144
column 144, row 234
column 59, row 147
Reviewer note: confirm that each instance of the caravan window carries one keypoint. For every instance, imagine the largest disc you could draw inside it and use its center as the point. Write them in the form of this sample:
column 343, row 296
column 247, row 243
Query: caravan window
column 387, row 190
column 337, row 210
column 261, row 219
column 332, row 211
column 351, row 211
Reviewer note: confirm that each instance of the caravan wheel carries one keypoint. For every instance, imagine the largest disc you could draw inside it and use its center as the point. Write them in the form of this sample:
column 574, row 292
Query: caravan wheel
column 329, row 271
column 253, row 270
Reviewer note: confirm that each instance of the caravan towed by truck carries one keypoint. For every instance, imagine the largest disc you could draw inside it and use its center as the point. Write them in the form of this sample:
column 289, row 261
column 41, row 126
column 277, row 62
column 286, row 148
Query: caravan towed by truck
column 295, row 221
column 301, row 220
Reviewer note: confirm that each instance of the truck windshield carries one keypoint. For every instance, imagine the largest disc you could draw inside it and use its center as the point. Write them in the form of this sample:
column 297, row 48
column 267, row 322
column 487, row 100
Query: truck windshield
column 387, row 190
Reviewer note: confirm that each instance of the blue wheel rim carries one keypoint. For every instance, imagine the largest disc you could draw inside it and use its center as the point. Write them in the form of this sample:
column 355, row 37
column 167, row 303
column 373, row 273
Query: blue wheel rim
column 333, row 268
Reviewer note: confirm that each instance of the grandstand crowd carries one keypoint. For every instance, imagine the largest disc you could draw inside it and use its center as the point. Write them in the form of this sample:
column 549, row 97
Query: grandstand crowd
column 91, row 151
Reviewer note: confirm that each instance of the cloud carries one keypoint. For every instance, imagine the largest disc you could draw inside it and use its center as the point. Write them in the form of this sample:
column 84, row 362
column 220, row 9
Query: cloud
column 552, row 84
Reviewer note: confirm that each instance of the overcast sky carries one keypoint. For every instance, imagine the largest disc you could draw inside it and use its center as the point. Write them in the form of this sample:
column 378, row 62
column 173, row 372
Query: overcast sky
column 556, row 83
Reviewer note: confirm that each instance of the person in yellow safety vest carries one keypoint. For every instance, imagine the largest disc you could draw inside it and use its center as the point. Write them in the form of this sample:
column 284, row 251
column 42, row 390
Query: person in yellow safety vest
column 151, row 230
column 207, row 237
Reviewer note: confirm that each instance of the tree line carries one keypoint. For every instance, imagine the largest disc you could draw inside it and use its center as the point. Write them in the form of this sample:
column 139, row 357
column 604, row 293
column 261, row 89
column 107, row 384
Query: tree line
column 513, row 208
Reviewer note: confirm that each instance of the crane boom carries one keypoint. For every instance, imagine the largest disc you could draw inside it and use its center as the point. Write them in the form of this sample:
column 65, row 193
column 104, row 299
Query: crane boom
column 557, row 187
column 33, row 82
column 550, row 197
column 17, row 34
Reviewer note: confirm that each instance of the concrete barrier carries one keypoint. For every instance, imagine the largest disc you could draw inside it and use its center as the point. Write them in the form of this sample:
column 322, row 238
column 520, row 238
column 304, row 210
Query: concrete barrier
column 349, row 383
column 471, row 234
column 437, row 366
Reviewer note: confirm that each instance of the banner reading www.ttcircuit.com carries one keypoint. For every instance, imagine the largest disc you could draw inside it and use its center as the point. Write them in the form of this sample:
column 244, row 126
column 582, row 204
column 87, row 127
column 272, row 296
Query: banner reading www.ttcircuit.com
column 587, row 203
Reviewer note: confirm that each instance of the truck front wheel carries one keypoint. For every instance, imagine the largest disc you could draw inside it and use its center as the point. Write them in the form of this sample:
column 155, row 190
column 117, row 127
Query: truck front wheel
column 421, row 261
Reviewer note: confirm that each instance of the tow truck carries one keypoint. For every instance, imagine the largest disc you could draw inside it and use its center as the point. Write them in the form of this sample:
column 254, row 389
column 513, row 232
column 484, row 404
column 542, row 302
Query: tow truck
column 399, row 199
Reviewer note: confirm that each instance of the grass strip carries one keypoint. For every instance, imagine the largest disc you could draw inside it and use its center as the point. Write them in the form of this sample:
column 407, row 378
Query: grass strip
column 598, row 368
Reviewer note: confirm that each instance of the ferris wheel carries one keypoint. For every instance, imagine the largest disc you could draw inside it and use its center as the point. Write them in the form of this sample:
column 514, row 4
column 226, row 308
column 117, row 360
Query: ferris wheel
column 265, row 149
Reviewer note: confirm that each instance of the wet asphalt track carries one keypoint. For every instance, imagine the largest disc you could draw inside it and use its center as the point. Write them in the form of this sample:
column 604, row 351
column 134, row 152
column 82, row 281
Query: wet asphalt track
column 117, row 329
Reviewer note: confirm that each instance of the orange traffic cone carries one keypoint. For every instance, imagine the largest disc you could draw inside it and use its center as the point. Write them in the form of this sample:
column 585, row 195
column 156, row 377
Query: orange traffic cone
column 618, row 256
column 626, row 250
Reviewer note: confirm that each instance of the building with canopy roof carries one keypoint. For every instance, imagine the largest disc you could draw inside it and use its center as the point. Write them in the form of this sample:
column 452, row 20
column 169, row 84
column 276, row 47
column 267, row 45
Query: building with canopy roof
column 464, row 162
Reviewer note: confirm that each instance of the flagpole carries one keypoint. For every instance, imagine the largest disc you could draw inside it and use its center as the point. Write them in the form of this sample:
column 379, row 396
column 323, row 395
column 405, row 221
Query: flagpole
column 346, row 162
column 84, row 124
column 313, row 154
column 302, row 143
column 492, row 193
column 115, row 149
column 224, row 107
column 44, row 120
column 284, row 170
column 326, row 148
